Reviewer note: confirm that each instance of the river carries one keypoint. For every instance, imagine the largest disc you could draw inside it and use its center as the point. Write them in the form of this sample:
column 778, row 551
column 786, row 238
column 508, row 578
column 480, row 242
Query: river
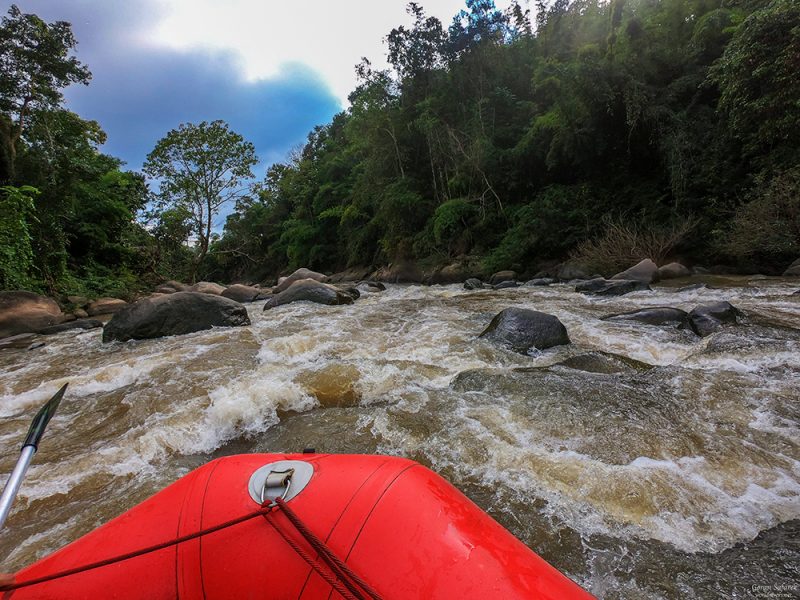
column 643, row 461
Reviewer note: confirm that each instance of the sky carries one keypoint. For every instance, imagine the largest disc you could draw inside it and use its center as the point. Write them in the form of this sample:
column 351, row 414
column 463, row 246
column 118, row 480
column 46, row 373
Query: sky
column 273, row 70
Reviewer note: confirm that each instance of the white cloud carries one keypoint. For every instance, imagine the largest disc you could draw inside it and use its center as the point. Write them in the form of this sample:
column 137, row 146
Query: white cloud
column 329, row 36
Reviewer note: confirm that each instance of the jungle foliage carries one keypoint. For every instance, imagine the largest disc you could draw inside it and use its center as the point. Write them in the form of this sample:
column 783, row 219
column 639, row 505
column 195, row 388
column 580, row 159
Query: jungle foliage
column 517, row 139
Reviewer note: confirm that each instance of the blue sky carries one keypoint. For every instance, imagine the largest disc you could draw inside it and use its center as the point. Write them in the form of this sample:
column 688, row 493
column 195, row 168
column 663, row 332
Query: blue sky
column 273, row 70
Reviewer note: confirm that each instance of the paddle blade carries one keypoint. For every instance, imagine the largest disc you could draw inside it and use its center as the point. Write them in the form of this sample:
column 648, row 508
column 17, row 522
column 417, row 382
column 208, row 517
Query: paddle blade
column 42, row 418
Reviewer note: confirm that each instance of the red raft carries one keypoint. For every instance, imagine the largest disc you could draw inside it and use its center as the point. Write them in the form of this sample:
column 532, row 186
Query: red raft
column 339, row 526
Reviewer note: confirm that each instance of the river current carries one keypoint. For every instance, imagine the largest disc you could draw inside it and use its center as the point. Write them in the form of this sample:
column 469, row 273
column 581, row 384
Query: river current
column 643, row 461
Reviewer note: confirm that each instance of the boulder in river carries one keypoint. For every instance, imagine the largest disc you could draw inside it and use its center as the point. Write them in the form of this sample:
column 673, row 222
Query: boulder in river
column 473, row 284
column 312, row 291
column 351, row 274
column 502, row 276
column 84, row 324
column 673, row 270
column 645, row 271
column 793, row 270
column 540, row 282
column 105, row 306
column 505, row 284
column 174, row 314
column 79, row 313
column 241, row 293
column 399, row 272
column 569, row 271
column 659, row 315
column 608, row 287
column 208, row 287
column 372, row 287
column 708, row 318
column 285, row 282
column 26, row 312
column 453, row 273
column 524, row 330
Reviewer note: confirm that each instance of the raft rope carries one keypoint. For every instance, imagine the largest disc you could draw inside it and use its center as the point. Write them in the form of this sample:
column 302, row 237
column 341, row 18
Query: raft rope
column 347, row 583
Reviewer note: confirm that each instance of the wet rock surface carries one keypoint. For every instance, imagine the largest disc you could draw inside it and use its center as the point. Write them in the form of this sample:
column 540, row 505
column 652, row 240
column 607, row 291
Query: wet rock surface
column 310, row 290
column 524, row 330
column 609, row 287
column 174, row 314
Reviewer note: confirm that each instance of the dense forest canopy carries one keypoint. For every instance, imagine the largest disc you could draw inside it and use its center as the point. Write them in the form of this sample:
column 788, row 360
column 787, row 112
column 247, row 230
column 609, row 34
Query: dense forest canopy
column 504, row 139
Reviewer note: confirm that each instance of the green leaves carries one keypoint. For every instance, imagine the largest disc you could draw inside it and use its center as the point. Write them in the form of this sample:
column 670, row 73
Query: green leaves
column 200, row 168
column 16, row 253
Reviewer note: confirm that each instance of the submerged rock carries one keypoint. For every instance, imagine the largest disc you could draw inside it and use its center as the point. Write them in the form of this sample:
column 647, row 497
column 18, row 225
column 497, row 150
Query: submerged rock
column 371, row 287
column 77, row 324
column 311, row 291
column 660, row 315
column 105, row 306
column 540, row 282
column 174, row 314
column 523, row 330
column 285, row 282
column 645, row 271
column 333, row 385
column 708, row 318
column 20, row 340
column 26, row 312
column 608, row 287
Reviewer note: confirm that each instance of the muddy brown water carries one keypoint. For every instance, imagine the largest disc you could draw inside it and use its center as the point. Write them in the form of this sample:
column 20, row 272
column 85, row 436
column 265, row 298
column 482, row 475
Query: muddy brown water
column 643, row 461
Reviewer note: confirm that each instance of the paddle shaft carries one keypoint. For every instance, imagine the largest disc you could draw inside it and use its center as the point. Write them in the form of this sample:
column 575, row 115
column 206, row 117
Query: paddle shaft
column 14, row 481
column 29, row 448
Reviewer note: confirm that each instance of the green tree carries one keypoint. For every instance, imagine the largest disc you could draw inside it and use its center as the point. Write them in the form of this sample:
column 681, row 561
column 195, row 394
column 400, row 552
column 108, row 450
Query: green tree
column 16, row 254
column 35, row 64
column 201, row 168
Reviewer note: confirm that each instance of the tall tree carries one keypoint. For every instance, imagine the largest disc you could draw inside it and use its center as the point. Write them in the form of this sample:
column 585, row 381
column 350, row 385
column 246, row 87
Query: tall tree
column 201, row 168
column 35, row 64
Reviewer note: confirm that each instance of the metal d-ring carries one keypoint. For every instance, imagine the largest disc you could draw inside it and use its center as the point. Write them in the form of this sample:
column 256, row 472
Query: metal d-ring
column 285, row 478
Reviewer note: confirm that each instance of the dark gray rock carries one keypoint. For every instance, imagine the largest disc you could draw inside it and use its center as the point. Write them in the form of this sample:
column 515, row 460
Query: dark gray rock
column 21, row 340
column 26, row 312
column 660, row 315
column 523, row 330
column 350, row 290
column 645, row 271
column 311, row 291
column 569, row 271
column 174, row 314
column 473, row 284
column 793, row 270
column 608, row 287
column 36, row 345
column 241, row 293
column 708, row 318
column 78, row 324
column 505, row 284
column 540, row 281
